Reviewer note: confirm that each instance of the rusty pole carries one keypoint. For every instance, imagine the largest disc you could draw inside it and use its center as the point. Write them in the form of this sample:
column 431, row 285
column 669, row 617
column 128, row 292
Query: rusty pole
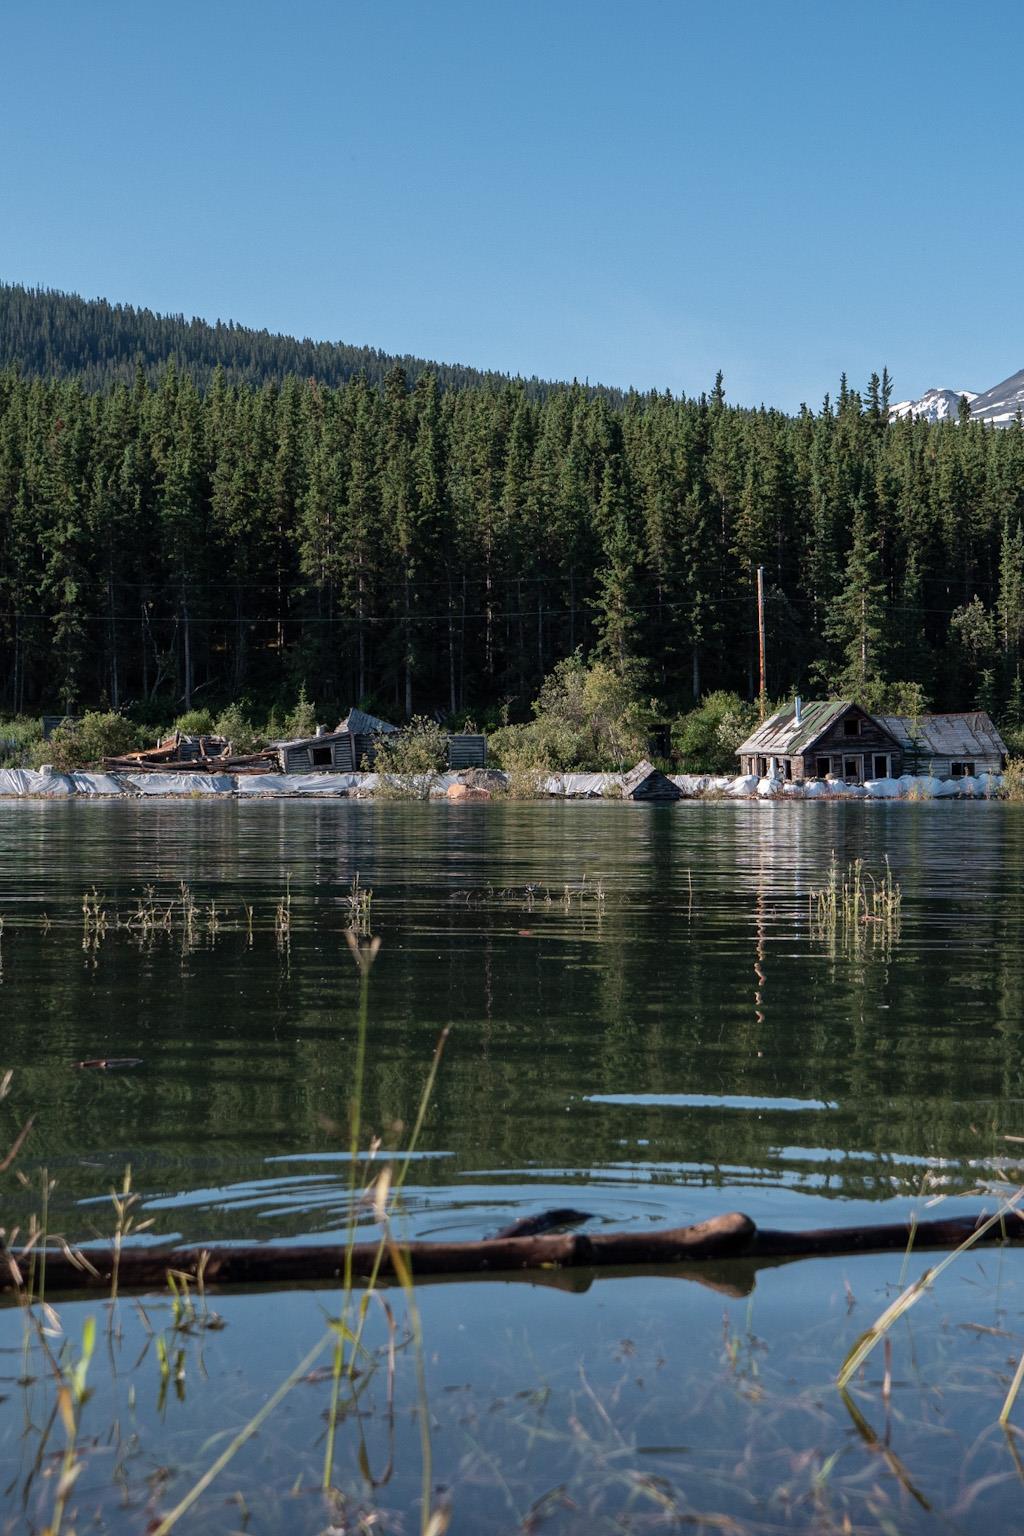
column 762, row 694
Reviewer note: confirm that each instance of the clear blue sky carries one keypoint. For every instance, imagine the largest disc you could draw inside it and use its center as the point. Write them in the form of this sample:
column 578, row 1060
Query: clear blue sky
column 635, row 193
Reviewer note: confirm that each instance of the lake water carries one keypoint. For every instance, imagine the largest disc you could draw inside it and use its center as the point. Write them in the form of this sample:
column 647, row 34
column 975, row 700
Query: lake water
column 671, row 1037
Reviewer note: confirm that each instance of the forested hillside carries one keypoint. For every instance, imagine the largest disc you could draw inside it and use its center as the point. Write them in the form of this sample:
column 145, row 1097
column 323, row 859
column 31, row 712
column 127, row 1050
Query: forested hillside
column 416, row 549
column 56, row 335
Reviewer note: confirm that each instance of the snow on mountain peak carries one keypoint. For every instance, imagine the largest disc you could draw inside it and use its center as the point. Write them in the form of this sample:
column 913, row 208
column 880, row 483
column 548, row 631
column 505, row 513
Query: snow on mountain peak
column 997, row 406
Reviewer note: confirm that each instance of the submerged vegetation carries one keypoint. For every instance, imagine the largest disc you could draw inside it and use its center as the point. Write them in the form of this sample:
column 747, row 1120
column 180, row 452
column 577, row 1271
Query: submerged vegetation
column 855, row 909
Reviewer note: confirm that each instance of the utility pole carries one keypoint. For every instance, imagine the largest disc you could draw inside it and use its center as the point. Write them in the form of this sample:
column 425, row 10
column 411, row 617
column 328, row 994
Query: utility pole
column 762, row 695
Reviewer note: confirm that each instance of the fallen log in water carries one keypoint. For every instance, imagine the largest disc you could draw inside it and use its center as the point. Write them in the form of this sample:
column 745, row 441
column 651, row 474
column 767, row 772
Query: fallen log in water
column 733, row 1236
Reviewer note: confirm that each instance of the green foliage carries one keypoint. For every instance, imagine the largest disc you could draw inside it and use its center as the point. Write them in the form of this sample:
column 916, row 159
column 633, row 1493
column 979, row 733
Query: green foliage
column 410, row 761
column 195, row 722
column 707, row 738
column 236, row 727
column 18, row 739
column 300, row 721
column 442, row 541
column 584, row 717
column 881, row 698
column 87, row 742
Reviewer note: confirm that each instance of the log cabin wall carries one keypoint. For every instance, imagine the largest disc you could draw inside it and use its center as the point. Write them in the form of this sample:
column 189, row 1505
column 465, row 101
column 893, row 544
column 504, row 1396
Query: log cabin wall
column 855, row 748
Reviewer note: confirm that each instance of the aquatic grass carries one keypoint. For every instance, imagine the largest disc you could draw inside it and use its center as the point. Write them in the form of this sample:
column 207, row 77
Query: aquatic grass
column 358, row 902
column 912, row 1294
column 853, row 904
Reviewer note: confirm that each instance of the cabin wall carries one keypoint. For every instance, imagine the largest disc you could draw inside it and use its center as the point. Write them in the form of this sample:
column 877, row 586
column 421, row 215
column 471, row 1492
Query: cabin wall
column 860, row 752
column 467, row 751
column 955, row 767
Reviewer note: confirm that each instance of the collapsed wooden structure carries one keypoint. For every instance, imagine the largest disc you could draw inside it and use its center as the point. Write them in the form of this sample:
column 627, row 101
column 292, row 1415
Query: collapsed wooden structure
column 525, row 1247
column 182, row 753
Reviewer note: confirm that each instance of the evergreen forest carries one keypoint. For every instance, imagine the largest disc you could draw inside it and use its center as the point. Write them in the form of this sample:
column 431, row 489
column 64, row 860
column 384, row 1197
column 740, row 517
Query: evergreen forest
column 420, row 543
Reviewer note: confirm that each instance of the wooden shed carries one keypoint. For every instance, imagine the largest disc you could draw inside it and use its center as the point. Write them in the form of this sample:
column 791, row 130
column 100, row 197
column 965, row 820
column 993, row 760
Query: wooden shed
column 948, row 746
column 645, row 782
column 834, row 739
column 344, row 750
column 467, row 749
column 353, row 745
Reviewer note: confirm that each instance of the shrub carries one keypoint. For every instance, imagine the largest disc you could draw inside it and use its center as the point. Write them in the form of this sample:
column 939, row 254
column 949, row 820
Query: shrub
column 195, row 722
column 88, row 741
column 1013, row 779
column 235, row 726
column 301, row 721
column 410, row 761
column 584, row 717
column 707, row 738
column 18, row 738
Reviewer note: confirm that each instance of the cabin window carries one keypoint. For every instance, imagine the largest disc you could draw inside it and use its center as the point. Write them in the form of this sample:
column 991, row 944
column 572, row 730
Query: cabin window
column 321, row 757
column 851, row 769
column 961, row 770
column 823, row 768
column 789, row 767
column 762, row 767
column 881, row 765
column 851, row 726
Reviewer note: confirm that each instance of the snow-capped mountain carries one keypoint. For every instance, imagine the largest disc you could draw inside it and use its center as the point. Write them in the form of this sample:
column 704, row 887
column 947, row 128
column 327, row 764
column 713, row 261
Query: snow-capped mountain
column 935, row 405
column 998, row 405
column 1001, row 403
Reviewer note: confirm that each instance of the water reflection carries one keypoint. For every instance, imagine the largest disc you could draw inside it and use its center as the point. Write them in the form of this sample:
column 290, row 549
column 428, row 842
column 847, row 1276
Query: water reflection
column 687, row 1033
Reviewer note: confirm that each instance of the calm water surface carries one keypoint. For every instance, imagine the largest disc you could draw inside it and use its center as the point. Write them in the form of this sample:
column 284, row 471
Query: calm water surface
column 687, row 1044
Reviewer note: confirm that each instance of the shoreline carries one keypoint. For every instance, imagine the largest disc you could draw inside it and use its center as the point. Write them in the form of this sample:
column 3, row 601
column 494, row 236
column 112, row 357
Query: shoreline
column 33, row 784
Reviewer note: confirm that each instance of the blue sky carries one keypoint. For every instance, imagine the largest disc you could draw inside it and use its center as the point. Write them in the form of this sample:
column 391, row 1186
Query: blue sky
column 638, row 194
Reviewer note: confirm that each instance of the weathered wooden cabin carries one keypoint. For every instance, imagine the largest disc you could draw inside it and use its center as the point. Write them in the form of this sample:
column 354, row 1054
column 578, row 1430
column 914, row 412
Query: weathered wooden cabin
column 343, row 750
column 835, row 739
column 948, row 746
column 353, row 745
column 645, row 782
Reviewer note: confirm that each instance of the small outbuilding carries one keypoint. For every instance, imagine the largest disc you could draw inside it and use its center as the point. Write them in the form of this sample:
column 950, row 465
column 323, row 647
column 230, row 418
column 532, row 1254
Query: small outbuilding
column 353, row 746
column 645, row 782
column 948, row 746
column 833, row 739
column 343, row 750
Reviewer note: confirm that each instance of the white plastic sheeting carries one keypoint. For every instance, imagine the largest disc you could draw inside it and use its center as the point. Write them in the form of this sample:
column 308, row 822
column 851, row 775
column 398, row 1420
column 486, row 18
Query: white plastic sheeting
column 180, row 783
column 29, row 781
column 95, row 784
column 26, row 782
column 298, row 783
column 581, row 786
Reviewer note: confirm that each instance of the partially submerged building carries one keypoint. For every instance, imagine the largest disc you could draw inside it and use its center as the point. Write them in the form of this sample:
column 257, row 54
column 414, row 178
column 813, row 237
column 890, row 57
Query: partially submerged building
column 353, row 746
column 837, row 739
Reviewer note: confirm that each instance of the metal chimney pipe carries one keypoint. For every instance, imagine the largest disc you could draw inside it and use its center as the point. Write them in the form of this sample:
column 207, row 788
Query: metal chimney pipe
column 797, row 704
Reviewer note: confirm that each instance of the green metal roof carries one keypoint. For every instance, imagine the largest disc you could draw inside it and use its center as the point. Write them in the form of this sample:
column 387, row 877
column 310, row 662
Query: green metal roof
column 782, row 737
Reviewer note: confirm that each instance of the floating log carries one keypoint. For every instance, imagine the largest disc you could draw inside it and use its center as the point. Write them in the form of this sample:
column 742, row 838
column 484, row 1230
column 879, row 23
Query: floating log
column 729, row 1237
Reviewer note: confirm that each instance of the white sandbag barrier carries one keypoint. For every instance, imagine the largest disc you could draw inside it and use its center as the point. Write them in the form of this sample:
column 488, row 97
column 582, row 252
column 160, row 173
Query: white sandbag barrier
column 28, row 783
